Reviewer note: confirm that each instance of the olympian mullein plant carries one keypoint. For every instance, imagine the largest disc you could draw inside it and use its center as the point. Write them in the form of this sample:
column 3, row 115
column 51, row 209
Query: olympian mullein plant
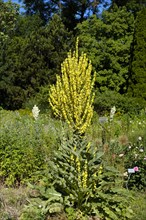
column 76, row 167
column 86, row 183
column 72, row 97
column 77, row 171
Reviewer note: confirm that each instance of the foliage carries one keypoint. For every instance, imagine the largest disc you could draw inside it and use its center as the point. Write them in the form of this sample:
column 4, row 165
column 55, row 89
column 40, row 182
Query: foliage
column 132, row 5
column 12, row 201
column 71, row 12
column 31, row 52
column 124, row 144
column 73, row 178
column 43, row 9
column 25, row 146
column 85, row 183
column 63, row 172
column 139, row 206
column 30, row 60
column 107, row 42
column 76, row 11
column 57, row 42
column 8, row 19
column 40, row 98
column 135, row 155
column 125, row 104
column 27, row 24
column 47, row 201
column 126, row 155
column 138, row 88
column 71, row 98
column 18, row 79
column 8, row 24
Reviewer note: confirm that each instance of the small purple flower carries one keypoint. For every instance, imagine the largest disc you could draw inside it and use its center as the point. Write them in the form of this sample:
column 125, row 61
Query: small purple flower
column 135, row 169
column 144, row 158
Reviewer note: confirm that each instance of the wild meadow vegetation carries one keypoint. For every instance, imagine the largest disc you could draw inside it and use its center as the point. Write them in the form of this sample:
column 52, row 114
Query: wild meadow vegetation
column 43, row 175
column 78, row 166
column 73, row 115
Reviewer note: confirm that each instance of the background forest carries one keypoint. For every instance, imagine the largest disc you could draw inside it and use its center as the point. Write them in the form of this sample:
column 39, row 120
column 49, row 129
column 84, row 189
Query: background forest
column 35, row 41
column 73, row 110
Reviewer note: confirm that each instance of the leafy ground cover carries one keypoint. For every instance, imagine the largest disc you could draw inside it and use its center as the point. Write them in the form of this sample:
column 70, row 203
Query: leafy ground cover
column 13, row 200
column 32, row 152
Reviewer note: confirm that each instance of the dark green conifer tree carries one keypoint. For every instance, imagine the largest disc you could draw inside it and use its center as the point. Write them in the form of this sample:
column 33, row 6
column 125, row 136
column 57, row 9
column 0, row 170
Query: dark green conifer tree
column 71, row 11
column 138, row 83
column 132, row 5
column 32, row 58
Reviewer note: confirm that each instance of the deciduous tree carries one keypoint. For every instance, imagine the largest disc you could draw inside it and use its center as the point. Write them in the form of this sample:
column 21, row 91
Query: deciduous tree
column 107, row 42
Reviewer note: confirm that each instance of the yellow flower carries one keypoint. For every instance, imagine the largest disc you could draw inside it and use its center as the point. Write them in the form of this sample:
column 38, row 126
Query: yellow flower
column 85, row 175
column 71, row 98
column 100, row 169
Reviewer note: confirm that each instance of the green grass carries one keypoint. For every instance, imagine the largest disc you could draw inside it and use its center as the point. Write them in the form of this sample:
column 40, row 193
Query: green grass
column 139, row 206
column 12, row 201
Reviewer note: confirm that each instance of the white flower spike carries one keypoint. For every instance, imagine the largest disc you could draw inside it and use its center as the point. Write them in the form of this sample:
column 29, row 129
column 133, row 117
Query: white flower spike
column 112, row 112
column 35, row 112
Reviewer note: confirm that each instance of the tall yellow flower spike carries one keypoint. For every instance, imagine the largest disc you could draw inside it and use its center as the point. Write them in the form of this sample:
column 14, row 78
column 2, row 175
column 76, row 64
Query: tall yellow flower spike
column 72, row 98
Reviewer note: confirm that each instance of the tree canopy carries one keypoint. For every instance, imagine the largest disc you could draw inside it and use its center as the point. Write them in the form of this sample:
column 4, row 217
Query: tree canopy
column 35, row 42
column 138, row 79
column 31, row 59
column 107, row 42
column 71, row 12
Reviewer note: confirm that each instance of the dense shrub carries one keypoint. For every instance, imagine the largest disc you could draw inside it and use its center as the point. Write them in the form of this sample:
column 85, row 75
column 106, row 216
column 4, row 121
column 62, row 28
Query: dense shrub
column 40, row 99
column 25, row 145
column 104, row 101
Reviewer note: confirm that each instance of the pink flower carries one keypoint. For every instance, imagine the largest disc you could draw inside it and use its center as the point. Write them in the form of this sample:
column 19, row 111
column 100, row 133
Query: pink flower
column 135, row 169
